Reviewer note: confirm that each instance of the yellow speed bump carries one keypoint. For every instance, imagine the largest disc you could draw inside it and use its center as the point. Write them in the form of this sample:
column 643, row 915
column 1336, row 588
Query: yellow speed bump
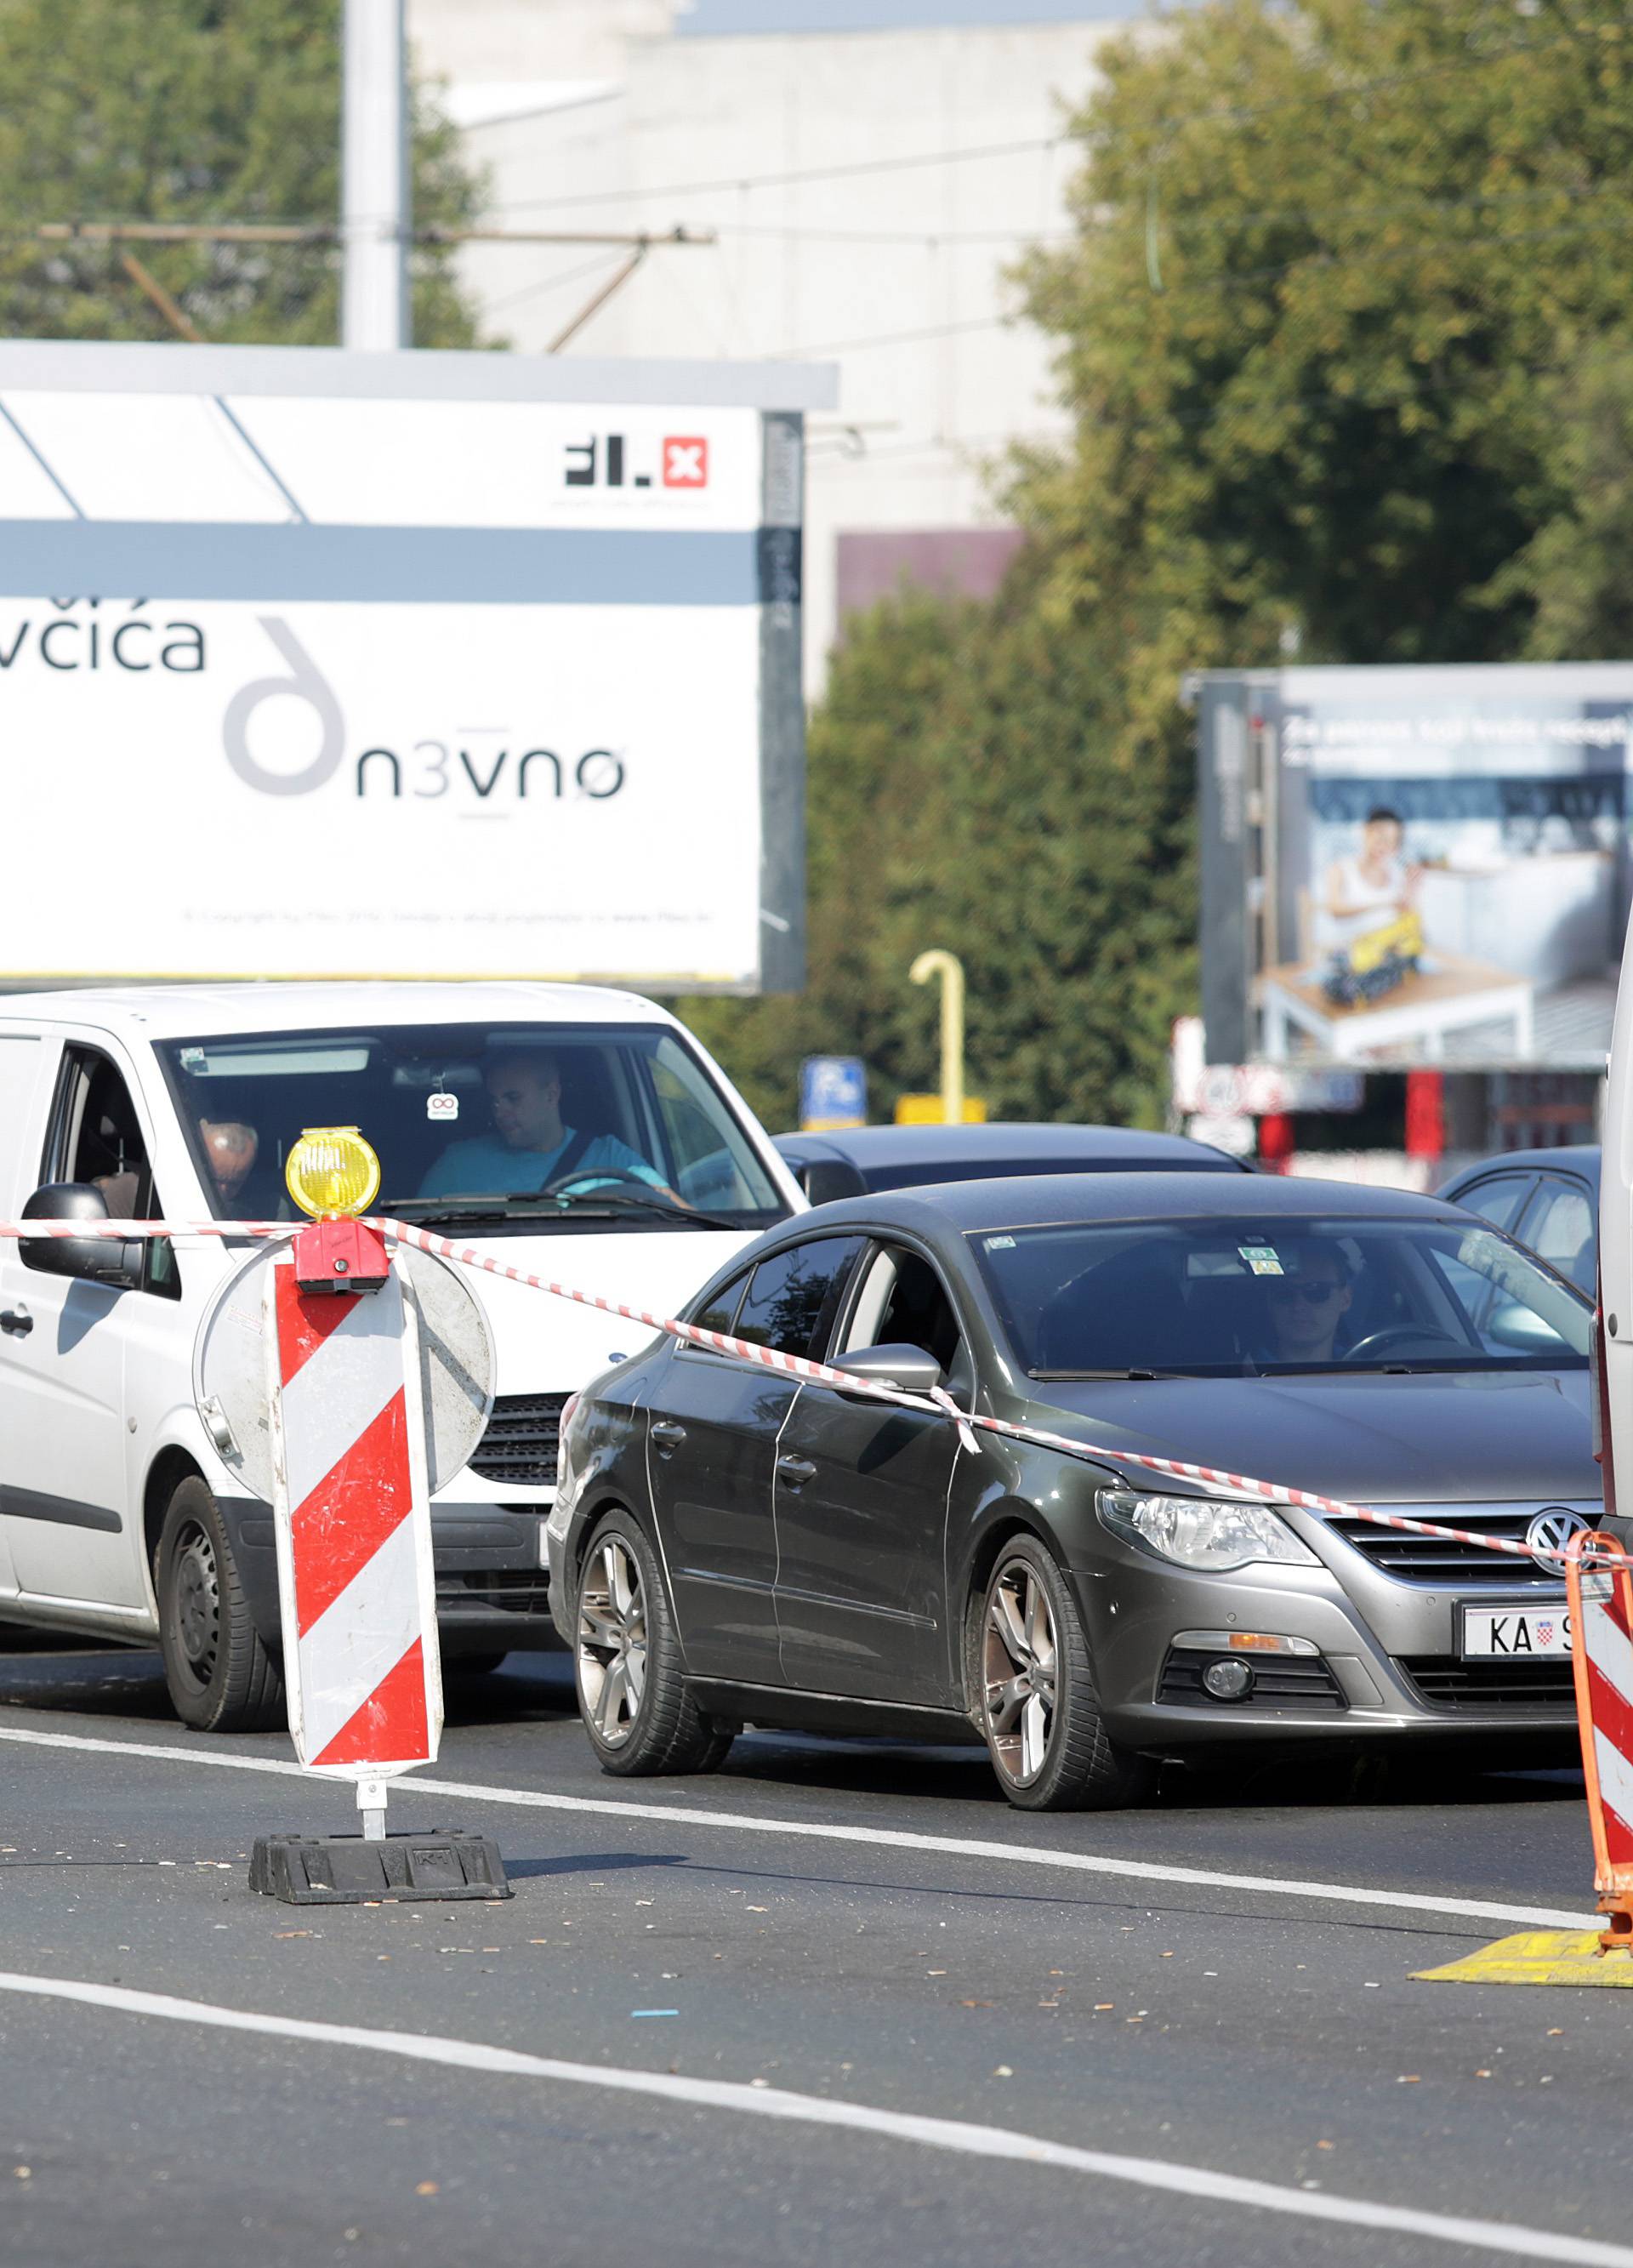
column 1537, row 1956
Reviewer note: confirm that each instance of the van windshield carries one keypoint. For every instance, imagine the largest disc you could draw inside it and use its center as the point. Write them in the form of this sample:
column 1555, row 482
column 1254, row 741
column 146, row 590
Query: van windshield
column 1209, row 1298
column 517, row 1125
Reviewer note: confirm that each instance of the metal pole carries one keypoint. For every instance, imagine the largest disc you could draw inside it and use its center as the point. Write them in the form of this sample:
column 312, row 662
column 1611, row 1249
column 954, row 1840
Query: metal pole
column 950, row 969
column 374, row 178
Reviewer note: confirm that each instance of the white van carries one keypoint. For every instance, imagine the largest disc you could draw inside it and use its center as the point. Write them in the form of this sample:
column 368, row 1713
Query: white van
column 575, row 1132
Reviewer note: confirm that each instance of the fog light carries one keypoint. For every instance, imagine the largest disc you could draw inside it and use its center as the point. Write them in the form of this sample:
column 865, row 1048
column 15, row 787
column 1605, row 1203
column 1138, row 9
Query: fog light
column 1227, row 1681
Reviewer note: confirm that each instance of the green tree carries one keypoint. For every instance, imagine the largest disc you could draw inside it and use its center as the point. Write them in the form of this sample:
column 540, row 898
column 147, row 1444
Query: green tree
column 194, row 111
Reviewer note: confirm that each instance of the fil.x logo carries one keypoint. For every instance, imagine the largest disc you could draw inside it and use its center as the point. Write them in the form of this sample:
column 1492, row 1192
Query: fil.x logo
column 606, row 461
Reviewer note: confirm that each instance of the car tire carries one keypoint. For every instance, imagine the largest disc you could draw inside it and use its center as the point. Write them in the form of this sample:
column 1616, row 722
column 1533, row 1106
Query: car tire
column 1036, row 1702
column 222, row 1678
column 627, row 1664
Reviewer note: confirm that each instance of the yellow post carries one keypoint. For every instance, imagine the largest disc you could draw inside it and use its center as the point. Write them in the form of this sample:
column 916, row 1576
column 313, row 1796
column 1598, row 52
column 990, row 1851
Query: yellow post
column 950, row 969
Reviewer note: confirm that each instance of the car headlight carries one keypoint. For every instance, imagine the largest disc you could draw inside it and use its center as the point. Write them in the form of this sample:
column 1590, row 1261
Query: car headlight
column 1203, row 1533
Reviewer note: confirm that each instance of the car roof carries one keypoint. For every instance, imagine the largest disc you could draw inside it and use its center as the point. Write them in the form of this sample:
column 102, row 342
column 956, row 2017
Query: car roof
column 1065, row 1200
column 864, row 1146
column 1575, row 1158
column 159, row 1011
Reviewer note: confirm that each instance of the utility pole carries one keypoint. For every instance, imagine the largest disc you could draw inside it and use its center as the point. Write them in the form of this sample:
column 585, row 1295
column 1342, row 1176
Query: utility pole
column 376, row 218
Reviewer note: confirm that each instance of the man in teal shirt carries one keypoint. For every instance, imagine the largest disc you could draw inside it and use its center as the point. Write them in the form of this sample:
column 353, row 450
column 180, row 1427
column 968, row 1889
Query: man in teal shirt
column 530, row 1147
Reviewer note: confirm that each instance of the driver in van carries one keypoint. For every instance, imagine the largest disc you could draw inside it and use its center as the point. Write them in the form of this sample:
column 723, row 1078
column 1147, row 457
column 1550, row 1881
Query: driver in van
column 530, row 1147
column 230, row 1151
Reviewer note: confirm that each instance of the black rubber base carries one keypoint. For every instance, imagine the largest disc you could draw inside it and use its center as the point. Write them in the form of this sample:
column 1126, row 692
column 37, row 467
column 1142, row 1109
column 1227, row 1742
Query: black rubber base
column 343, row 1870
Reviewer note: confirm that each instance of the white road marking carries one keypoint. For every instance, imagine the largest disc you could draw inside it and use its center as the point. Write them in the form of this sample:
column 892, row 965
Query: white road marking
column 1019, row 1854
column 954, row 2134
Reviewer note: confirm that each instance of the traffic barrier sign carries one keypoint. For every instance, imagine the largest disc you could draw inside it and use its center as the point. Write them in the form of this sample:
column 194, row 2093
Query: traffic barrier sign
column 1601, row 1626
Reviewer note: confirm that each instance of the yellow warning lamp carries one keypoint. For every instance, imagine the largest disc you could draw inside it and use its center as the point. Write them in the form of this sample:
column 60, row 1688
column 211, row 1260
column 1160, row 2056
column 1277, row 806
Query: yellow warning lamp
column 332, row 1170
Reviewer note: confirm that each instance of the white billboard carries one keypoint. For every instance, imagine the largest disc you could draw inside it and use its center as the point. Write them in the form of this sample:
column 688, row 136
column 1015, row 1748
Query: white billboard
column 401, row 665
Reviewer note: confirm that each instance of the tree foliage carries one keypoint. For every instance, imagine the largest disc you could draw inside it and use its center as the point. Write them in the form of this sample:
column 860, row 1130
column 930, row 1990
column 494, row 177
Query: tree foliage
column 1341, row 333
column 198, row 111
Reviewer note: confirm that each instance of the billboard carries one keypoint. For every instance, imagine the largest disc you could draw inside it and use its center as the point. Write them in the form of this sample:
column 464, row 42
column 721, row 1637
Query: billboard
column 421, row 665
column 1413, row 865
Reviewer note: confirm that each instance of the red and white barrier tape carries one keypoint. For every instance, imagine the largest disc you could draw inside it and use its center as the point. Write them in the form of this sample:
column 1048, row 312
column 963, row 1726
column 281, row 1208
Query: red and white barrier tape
column 818, row 1374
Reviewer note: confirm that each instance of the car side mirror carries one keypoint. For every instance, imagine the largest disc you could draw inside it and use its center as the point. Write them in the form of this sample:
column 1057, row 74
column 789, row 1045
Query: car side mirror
column 1523, row 1330
column 908, row 1368
column 826, row 1180
column 92, row 1259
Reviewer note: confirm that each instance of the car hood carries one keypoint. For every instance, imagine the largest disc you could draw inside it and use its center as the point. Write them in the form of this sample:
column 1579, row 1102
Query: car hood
column 546, row 1344
column 1473, row 1436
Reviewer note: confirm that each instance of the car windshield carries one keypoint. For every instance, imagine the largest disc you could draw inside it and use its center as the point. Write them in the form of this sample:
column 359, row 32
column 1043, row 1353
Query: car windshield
column 473, row 1121
column 1208, row 1299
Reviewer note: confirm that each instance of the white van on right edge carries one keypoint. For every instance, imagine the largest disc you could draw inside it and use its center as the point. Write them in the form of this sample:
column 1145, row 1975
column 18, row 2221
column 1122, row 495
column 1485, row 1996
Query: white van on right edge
column 1613, row 1404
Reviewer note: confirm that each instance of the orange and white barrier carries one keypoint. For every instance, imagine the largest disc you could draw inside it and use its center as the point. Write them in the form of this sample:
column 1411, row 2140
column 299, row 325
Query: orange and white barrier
column 1601, row 1630
column 352, row 1511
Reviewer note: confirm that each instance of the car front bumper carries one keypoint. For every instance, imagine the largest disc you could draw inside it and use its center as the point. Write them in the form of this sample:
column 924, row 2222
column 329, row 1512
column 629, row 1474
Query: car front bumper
column 1386, row 1664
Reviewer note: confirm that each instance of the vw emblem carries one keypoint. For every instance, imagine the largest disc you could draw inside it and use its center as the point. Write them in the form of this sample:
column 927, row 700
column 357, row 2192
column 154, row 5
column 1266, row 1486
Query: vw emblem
column 1552, row 1530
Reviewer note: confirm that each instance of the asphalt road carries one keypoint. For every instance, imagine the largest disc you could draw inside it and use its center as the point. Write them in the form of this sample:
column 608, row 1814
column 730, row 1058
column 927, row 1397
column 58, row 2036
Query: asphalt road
column 1209, row 2032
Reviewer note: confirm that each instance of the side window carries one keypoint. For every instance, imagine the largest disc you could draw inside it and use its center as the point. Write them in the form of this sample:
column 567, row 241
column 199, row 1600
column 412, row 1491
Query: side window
column 1498, row 1198
column 1559, row 1225
column 721, row 1313
column 96, row 1137
column 793, row 1295
column 902, row 1301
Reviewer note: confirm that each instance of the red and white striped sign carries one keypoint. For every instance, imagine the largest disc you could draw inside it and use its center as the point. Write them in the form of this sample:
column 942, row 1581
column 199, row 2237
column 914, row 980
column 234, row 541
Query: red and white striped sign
column 353, row 1521
column 1601, row 1625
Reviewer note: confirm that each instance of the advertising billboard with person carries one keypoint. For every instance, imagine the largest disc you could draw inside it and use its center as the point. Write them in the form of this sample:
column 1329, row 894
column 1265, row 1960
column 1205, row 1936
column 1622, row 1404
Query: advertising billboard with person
column 1413, row 865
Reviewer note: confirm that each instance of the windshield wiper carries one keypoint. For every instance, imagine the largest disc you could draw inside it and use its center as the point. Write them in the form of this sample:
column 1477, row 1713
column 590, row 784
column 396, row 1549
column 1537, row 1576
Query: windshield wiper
column 1137, row 1375
column 627, row 1201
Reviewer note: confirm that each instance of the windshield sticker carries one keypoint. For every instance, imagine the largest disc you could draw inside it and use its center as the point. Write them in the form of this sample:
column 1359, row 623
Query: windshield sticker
column 193, row 1059
column 1262, row 1259
column 442, row 1105
column 1000, row 1244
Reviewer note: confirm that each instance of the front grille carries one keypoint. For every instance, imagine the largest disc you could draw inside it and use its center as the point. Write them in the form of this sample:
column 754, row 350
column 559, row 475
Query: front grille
column 1432, row 1563
column 525, row 1591
column 1279, row 1682
column 522, row 1442
column 1444, row 1683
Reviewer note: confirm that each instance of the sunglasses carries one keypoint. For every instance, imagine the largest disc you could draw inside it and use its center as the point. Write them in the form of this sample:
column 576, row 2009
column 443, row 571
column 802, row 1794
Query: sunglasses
column 1314, row 1295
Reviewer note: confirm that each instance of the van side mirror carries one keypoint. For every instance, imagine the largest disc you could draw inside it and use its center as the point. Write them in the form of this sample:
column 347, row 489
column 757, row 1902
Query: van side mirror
column 909, row 1367
column 92, row 1259
column 826, row 1180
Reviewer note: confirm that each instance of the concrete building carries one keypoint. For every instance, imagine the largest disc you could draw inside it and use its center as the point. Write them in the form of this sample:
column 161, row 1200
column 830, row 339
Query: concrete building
column 867, row 190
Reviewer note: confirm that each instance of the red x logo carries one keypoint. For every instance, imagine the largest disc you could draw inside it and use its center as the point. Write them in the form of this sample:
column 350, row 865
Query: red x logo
column 686, row 462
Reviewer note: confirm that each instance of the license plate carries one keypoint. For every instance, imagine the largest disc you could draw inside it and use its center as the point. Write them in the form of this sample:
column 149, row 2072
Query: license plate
column 1517, row 1633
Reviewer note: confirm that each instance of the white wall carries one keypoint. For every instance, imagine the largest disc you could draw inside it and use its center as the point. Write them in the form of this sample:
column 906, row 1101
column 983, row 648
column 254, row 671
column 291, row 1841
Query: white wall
column 895, row 271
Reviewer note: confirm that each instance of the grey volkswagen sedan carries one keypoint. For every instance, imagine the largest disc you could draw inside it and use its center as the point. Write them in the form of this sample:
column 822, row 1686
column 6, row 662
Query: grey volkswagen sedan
column 729, row 1546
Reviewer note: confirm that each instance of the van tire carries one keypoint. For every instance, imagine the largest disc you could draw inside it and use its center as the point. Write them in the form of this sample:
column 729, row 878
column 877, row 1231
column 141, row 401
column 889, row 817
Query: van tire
column 222, row 1678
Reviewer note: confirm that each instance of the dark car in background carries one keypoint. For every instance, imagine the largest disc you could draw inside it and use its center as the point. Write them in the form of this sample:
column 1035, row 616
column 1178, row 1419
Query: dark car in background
column 730, row 1545
column 1549, row 1199
column 852, row 1161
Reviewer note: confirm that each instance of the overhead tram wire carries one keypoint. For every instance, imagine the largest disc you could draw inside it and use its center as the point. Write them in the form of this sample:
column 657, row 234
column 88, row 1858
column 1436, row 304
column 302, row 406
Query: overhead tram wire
column 1240, row 112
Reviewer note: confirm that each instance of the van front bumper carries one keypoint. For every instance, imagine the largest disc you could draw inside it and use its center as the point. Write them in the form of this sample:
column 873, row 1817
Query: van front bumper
column 493, row 1590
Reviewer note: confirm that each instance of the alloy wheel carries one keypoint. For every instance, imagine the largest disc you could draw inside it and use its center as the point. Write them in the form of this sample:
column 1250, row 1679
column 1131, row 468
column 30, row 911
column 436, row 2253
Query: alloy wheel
column 1019, row 1672
column 198, row 1603
column 612, row 1642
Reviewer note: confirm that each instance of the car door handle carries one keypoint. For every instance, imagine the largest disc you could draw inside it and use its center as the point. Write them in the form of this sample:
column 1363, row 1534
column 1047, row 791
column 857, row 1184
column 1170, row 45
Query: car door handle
column 16, row 1320
column 667, row 1436
column 796, row 1470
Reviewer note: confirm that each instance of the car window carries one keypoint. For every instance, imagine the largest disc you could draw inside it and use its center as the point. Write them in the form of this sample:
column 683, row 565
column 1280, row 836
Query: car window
column 793, row 1295
column 1497, row 1198
column 95, row 1137
column 902, row 1302
column 1244, row 1296
column 721, row 1313
column 1559, row 1225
